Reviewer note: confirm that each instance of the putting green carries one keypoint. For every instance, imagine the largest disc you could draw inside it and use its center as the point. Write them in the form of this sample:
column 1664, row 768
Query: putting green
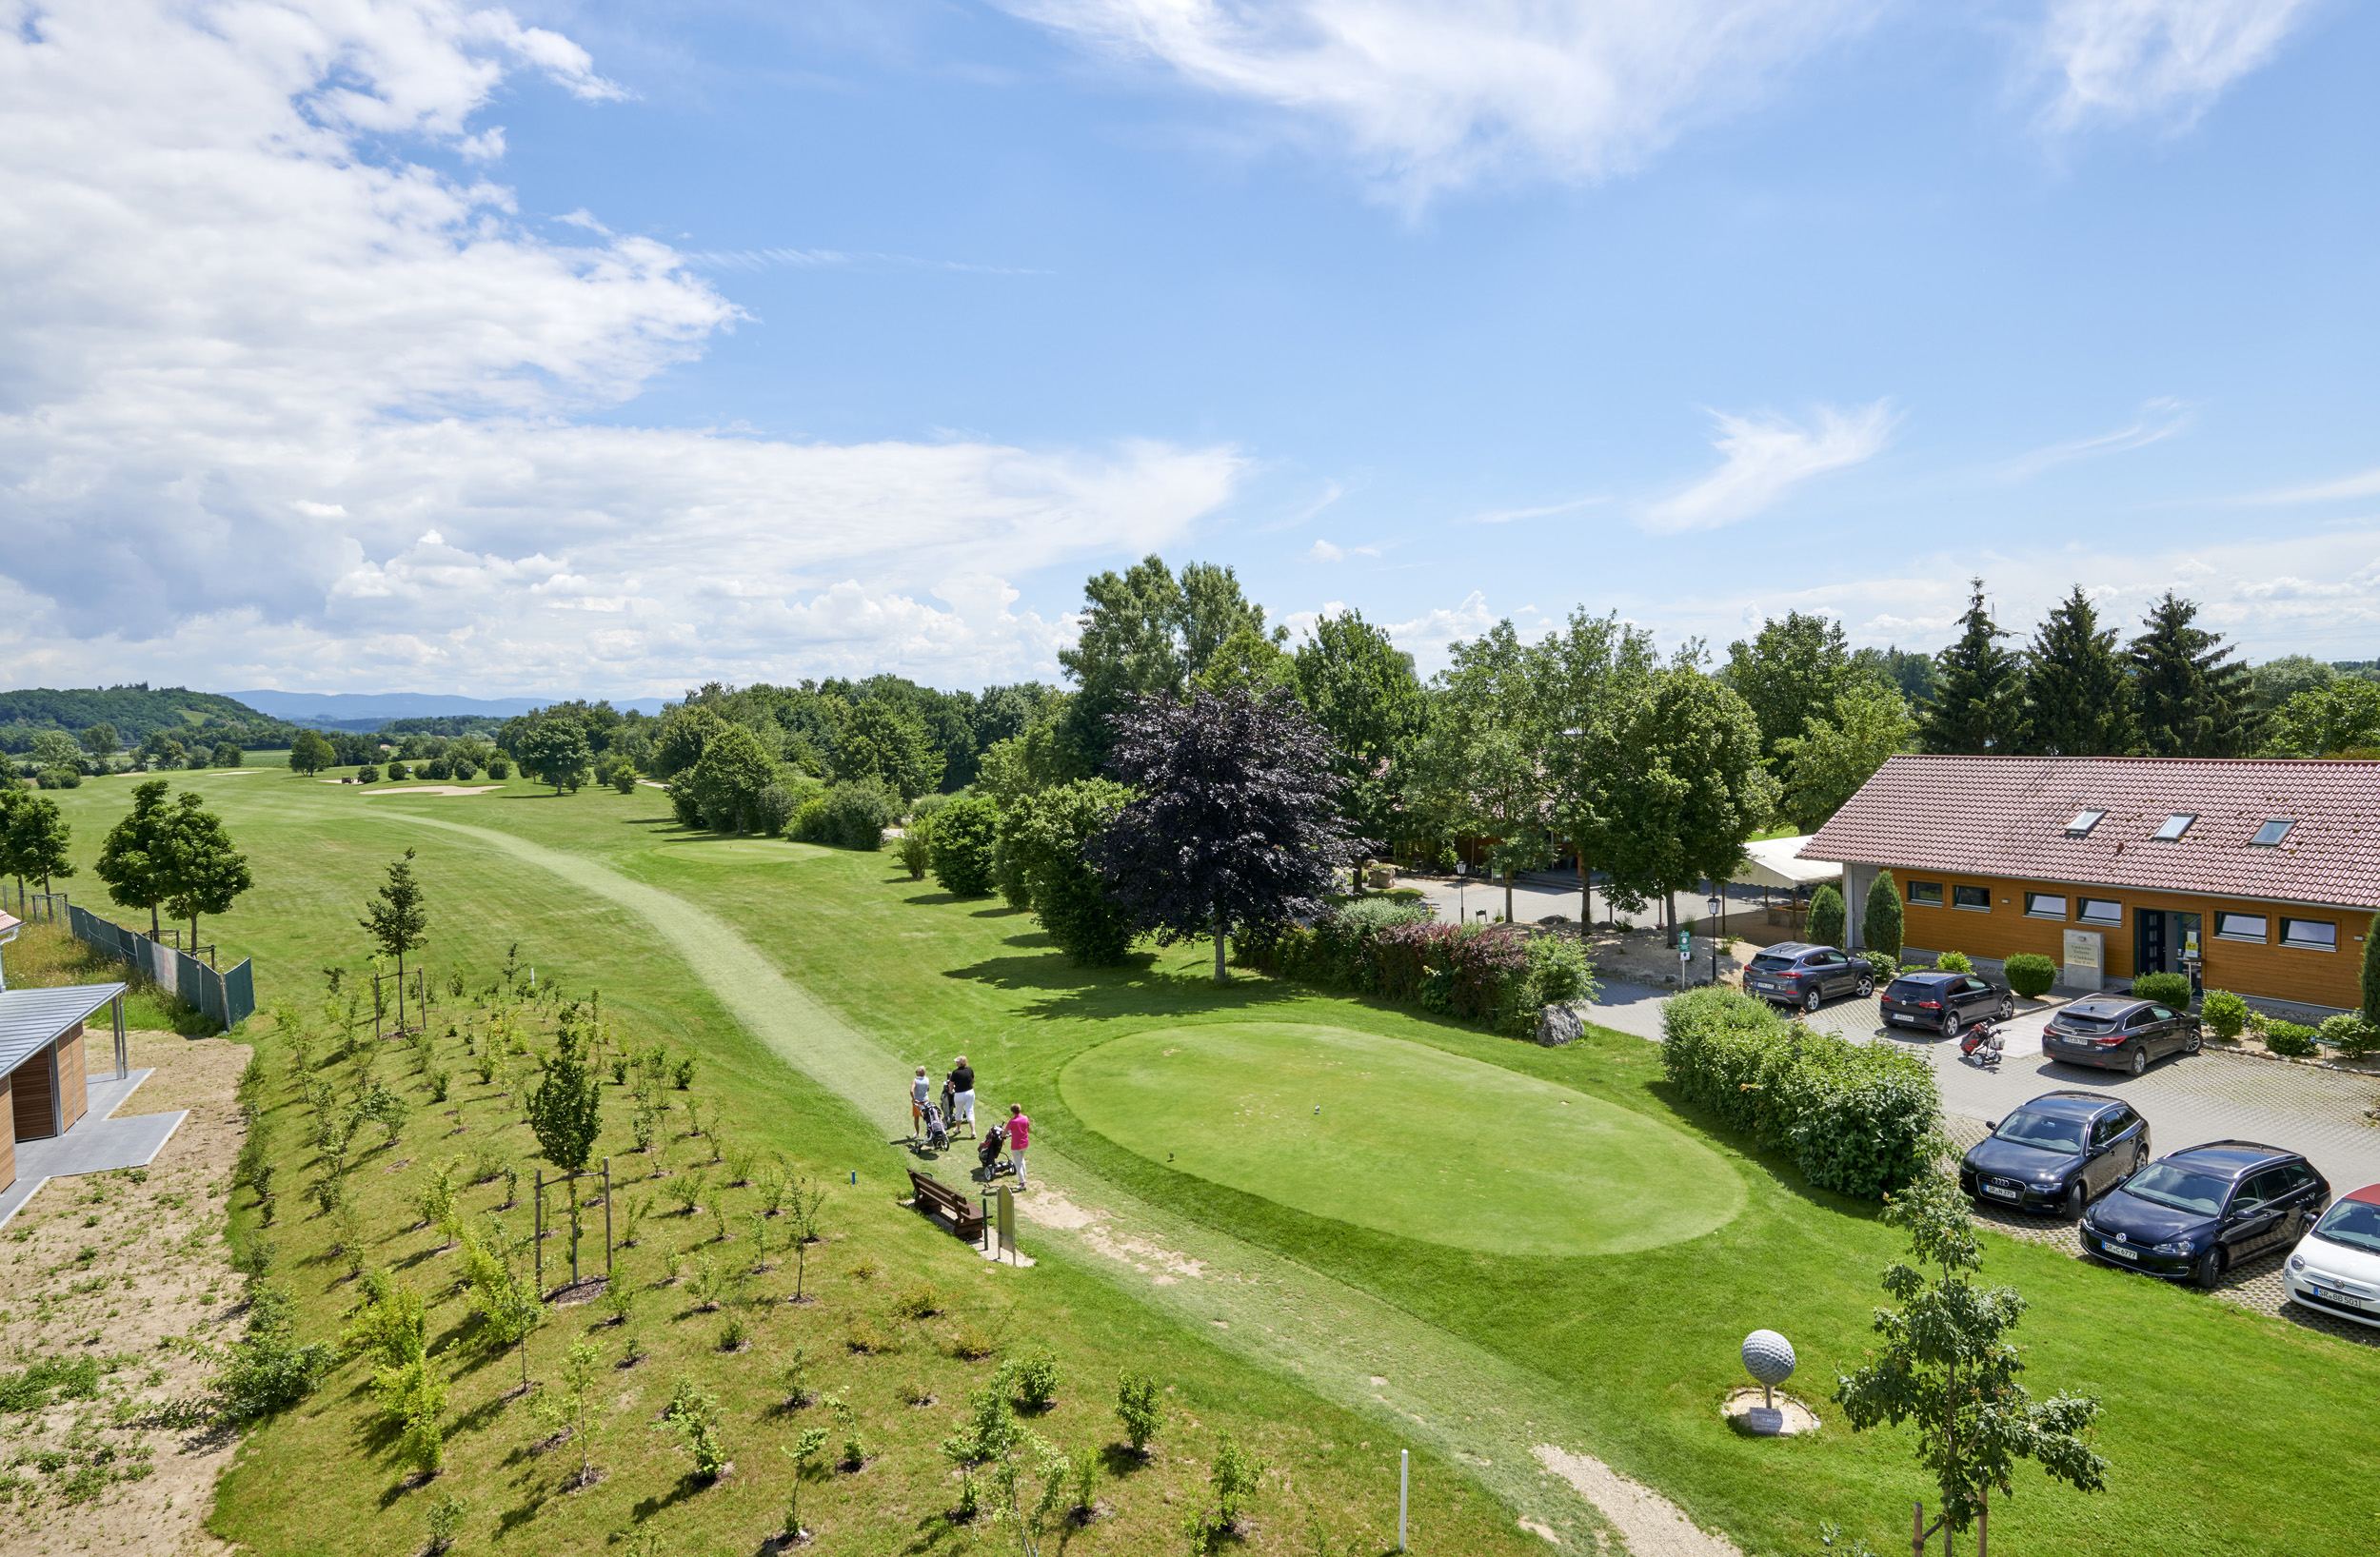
column 1411, row 1140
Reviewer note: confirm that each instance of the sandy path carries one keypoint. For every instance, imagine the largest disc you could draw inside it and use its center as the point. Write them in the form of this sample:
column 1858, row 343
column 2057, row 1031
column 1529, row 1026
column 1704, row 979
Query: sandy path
column 1650, row 1523
column 1422, row 1386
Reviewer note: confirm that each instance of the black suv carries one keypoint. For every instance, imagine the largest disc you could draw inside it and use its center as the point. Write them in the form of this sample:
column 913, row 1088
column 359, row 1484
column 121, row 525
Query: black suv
column 2120, row 1034
column 1806, row 976
column 2194, row 1214
column 2058, row 1153
column 1945, row 1002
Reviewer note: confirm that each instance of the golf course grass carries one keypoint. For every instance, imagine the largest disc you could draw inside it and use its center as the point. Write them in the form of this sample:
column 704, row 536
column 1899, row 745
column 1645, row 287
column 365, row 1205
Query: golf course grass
column 1401, row 1138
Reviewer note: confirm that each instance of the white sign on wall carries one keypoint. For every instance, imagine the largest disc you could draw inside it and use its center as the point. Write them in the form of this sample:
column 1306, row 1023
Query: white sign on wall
column 2086, row 959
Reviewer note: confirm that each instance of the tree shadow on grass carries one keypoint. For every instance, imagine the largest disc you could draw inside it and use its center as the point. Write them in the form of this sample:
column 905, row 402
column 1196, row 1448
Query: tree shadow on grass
column 689, row 1486
column 1139, row 987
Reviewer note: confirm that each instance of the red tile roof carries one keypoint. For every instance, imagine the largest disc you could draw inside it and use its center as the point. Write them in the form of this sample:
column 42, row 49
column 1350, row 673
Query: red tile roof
column 2006, row 816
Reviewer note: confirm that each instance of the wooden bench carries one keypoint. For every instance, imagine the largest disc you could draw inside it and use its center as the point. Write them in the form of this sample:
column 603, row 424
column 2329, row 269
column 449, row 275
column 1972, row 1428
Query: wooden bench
column 933, row 1195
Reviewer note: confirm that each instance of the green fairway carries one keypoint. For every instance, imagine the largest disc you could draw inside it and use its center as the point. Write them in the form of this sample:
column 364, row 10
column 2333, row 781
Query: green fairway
column 1401, row 1138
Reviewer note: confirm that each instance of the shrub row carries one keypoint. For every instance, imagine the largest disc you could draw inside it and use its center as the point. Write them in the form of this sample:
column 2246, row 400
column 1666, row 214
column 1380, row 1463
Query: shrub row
column 1393, row 950
column 1857, row 1117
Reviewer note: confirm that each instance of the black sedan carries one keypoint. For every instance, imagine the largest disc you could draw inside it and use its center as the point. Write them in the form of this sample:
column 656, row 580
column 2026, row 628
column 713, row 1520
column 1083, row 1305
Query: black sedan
column 2118, row 1034
column 2056, row 1154
column 2194, row 1215
column 1945, row 1002
column 1805, row 975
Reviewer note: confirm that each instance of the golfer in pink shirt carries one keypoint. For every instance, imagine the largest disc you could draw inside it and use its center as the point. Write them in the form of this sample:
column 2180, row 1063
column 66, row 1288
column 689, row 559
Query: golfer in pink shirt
column 1019, row 1136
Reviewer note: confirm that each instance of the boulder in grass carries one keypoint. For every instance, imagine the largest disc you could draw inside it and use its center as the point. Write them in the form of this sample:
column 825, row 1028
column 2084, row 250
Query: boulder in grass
column 1559, row 1025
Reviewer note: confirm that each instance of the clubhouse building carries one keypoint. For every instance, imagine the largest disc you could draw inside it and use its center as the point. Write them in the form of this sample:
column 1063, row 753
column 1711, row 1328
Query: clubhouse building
column 2263, row 873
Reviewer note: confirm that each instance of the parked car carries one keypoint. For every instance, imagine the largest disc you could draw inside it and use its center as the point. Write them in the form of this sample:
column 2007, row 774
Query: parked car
column 2336, row 1266
column 2192, row 1215
column 1945, row 1002
column 1804, row 975
column 2056, row 1154
column 2115, row 1033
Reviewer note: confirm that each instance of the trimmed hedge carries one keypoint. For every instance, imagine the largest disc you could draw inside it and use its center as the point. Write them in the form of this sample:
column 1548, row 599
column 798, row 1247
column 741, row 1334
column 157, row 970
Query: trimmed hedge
column 2166, row 988
column 1859, row 1118
column 2030, row 975
column 2290, row 1040
column 2224, row 1013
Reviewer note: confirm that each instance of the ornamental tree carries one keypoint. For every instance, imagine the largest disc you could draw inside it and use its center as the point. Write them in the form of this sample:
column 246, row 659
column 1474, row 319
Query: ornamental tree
column 1237, row 822
column 556, row 753
column 202, row 872
column 965, row 831
column 1044, row 841
column 566, row 1115
column 33, row 838
column 133, row 858
column 397, row 919
column 310, row 752
column 1881, row 927
column 1947, row 1366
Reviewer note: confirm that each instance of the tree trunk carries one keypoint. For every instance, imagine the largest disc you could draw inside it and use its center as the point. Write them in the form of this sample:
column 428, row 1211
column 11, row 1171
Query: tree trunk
column 155, row 931
column 1586, row 894
column 1221, row 929
column 1508, row 891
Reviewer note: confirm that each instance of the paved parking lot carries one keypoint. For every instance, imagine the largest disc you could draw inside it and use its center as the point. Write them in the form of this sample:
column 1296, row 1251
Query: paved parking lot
column 2211, row 1095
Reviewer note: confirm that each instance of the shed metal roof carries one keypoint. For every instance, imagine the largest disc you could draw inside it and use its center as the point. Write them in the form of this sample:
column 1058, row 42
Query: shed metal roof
column 30, row 1018
column 2009, row 815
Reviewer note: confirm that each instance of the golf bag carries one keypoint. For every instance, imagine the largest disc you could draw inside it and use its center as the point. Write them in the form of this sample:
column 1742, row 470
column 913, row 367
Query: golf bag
column 937, row 1133
column 988, row 1154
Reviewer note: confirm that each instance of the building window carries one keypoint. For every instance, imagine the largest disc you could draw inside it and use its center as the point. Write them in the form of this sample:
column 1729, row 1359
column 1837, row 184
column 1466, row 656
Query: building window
column 2310, row 935
column 2100, row 911
column 2239, row 927
column 1971, row 897
column 2271, row 832
column 2040, row 905
column 2083, row 822
column 2175, row 825
column 1926, row 894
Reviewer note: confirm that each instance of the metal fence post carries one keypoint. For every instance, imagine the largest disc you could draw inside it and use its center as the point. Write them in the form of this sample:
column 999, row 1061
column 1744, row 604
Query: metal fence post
column 606, row 1219
column 537, row 1226
column 116, row 1007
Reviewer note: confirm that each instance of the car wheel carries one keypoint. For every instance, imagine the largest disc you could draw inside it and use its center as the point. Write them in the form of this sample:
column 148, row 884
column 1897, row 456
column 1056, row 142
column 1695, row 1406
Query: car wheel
column 1866, row 987
column 2008, row 1008
column 2077, row 1199
column 1949, row 1024
column 2208, row 1273
column 2140, row 1059
column 2196, row 1041
column 1810, row 1001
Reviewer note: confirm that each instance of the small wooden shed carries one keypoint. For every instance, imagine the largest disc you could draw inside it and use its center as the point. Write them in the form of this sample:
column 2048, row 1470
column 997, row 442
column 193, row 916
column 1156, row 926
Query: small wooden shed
column 41, row 1055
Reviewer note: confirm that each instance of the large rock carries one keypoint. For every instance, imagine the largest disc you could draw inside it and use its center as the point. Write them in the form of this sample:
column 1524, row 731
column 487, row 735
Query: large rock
column 1559, row 1025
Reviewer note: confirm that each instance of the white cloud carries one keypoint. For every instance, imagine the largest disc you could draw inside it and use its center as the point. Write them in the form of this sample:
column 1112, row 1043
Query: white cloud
column 306, row 406
column 2158, row 420
column 1436, row 93
column 1764, row 458
column 2147, row 58
column 1505, row 516
column 2365, row 484
column 1428, row 636
column 1324, row 552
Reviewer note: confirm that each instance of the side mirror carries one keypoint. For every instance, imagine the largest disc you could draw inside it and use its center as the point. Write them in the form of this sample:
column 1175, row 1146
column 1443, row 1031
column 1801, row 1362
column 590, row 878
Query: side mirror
column 1992, row 1124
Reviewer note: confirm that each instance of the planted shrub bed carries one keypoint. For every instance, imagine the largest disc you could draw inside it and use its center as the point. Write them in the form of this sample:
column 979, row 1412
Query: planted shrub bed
column 1857, row 1117
column 1502, row 976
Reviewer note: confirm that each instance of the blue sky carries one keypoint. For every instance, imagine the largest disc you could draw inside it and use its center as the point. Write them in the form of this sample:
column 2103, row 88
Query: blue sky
column 608, row 348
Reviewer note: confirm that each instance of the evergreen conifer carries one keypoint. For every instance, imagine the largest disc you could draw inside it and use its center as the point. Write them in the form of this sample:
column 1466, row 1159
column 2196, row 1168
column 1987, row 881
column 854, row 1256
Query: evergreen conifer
column 1978, row 700
column 2078, row 695
column 2187, row 703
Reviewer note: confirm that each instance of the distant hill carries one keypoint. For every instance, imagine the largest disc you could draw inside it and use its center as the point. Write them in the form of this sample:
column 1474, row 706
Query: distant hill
column 369, row 710
column 134, row 710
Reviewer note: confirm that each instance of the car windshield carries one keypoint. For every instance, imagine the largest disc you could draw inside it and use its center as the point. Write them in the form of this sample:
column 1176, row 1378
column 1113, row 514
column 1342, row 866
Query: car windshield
column 1771, row 963
column 2077, row 1022
column 2353, row 1223
column 2042, row 1130
column 2163, row 1184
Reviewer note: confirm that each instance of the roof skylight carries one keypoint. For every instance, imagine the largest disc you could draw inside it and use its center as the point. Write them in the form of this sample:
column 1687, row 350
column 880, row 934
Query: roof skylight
column 2175, row 825
column 2271, row 832
column 2082, row 824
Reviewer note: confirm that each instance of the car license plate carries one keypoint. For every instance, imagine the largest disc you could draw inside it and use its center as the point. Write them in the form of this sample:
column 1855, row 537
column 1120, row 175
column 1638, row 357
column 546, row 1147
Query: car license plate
column 2120, row 1252
column 2338, row 1297
column 2003, row 1191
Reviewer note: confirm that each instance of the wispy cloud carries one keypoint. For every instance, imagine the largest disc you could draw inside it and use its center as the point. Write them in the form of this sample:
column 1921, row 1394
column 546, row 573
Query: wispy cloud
column 2158, row 420
column 1323, row 551
column 2364, row 485
column 1432, row 94
column 2131, row 59
column 1505, row 516
column 837, row 258
column 1767, row 456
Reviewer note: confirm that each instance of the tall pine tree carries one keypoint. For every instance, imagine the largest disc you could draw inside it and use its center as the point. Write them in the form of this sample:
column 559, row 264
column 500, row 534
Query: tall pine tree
column 1978, row 706
column 2077, row 696
column 2187, row 700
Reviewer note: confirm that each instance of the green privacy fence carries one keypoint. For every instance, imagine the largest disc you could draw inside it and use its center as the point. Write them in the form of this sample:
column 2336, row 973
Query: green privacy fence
column 228, row 997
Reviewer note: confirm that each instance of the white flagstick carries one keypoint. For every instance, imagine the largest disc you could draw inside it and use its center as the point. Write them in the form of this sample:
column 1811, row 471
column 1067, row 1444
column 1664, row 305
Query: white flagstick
column 1404, row 1473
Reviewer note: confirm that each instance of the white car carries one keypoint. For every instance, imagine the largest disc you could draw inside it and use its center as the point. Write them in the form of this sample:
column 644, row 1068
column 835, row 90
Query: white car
column 2335, row 1268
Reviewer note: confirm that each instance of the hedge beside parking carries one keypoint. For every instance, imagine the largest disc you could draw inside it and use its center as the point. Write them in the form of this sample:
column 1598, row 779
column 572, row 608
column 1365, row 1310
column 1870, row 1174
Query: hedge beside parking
column 1855, row 1116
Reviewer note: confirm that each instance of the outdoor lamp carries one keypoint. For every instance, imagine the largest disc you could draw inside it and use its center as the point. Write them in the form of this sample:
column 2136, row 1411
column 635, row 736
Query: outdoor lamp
column 1715, row 905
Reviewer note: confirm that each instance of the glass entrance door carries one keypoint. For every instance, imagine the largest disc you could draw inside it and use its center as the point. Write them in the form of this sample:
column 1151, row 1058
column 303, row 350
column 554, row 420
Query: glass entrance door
column 2151, row 953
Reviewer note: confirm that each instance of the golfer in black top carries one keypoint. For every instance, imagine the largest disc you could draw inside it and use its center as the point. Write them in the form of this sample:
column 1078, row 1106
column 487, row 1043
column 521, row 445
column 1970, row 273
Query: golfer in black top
column 961, row 1083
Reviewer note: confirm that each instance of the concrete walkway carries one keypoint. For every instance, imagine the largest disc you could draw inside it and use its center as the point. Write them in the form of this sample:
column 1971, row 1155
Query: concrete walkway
column 98, row 1142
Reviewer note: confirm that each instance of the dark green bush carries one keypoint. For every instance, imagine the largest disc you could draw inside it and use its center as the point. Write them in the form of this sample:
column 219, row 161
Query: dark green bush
column 858, row 811
column 2349, row 1034
column 2290, row 1040
column 1826, row 918
column 399, row 773
column 683, row 805
column 1880, row 928
column 965, row 831
column 368, row 774
column 1857, row 1117
column 2166, row 988
column 499, row 768
column 2030, row 975
column 2224, row 1013
column 1954, row 962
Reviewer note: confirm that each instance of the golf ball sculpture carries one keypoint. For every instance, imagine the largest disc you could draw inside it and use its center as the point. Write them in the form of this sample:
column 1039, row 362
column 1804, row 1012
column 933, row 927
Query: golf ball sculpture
column 1769, row 1357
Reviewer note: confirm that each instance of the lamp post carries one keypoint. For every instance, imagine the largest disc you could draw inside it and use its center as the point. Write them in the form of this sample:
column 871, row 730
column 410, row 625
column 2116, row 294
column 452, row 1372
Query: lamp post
column 1719, row 907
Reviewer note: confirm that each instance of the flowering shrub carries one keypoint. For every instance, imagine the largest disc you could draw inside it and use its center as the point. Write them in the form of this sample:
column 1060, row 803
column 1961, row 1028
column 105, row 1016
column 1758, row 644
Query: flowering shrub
column 1395, row 951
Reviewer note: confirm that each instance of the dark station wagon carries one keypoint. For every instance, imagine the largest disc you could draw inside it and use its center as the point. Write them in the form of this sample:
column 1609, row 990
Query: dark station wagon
column 2192, row 1215
column 1795, row 974
column 1945, row 1002
column 2120, row 1034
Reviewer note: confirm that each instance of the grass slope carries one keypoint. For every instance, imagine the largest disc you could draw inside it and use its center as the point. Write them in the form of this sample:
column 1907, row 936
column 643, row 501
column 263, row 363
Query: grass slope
column 1401, row 1138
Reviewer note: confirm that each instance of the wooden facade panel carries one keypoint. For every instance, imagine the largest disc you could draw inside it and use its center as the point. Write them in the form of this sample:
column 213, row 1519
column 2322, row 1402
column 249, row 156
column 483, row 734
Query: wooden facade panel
column 72, row 1097
column 2272, row 970
column 31, row 1099
column 8, row 1137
